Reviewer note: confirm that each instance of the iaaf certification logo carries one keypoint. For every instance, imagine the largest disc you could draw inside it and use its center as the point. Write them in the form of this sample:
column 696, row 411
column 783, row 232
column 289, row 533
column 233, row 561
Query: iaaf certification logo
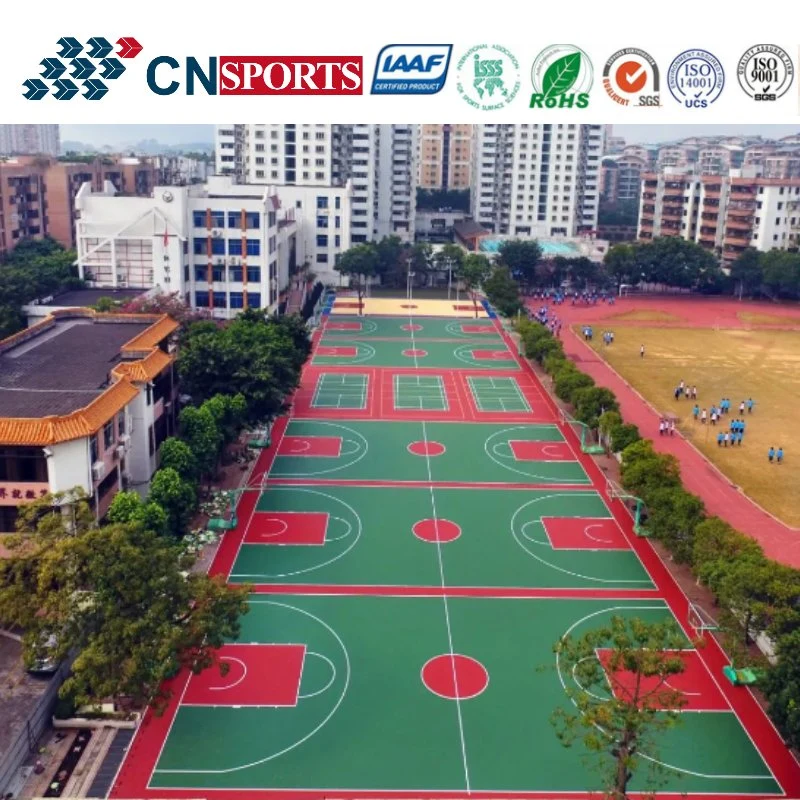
column 91, row 65
column 95, row 62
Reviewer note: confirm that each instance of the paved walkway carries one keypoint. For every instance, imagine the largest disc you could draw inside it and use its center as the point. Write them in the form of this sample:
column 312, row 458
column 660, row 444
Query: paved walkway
column 700, row 477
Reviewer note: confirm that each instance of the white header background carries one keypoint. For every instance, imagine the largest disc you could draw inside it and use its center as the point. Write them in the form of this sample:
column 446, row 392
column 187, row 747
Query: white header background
column 310, row 27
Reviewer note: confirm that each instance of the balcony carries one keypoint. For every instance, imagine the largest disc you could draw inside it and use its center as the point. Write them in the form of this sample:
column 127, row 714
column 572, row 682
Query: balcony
column 742, row 192
column 715, row 195
column 735, row 224
column 735, row 240
column 707, row 238
column 673, row 217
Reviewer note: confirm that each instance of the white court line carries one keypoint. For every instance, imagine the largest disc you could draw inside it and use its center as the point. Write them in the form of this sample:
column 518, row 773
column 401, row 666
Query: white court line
column 446, row 612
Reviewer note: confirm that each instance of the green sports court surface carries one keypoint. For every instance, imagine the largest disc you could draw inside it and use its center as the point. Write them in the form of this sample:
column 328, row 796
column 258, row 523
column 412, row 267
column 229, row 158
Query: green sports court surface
column 410, row 577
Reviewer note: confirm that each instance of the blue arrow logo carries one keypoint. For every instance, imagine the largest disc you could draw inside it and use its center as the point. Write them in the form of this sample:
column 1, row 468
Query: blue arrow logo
column 99, row 47
column 53, row 68
column 70, row 47
column 95, row 89
column 66, row 89
column 112, row 68
column 36, row 89
column 82, row 69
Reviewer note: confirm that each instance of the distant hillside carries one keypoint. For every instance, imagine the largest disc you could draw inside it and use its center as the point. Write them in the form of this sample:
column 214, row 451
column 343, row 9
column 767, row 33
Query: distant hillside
column 146, row 147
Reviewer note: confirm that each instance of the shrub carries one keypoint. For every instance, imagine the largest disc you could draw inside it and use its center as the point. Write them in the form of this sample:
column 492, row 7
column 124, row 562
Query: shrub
column 569, row 381
column 591, row 402
column 674, row 514
column 645, row 471
column 623, row 435
column 715, row 539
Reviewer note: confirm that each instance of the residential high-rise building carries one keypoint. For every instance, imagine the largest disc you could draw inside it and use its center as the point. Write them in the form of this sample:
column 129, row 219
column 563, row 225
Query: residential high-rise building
column 32, row 140
column 379, row 161
column 726, row 213
column 536, row 180
column 621, row 178
column 445, row 157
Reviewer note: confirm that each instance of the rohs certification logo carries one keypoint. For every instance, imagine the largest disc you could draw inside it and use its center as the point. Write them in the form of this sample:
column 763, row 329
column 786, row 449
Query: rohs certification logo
column 562, row 77
column 765, row 72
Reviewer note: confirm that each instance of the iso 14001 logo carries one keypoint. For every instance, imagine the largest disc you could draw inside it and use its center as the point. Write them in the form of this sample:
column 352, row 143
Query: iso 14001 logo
column 488, row 77
column 765, row 72
column 696, row 78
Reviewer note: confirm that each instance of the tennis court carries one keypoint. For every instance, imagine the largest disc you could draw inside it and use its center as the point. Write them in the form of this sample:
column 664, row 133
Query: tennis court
column 410, row 576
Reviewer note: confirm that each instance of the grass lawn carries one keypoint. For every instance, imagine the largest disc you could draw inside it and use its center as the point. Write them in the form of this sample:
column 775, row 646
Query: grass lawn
column 643, row 315
column 738, row 364
column 754, row 318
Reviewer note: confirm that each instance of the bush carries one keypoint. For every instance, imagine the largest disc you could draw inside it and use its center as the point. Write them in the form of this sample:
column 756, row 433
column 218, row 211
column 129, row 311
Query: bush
column 674, row 514
column 644, row 471
column 569, row 381
column 555, row 362
column 715, row 539
column 782, row 688
column 65, row 708
column 623, row 435
column 591, row 402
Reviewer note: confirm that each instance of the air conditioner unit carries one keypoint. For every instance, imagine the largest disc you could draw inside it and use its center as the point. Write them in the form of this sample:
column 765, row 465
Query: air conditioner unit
column 216, row 233
column 122, row 281
column 172, row 347
column 98, row 470
column 119, row 451
column 125, row 439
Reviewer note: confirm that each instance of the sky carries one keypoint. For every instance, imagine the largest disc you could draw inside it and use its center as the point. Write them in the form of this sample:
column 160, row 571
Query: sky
column 118, row 135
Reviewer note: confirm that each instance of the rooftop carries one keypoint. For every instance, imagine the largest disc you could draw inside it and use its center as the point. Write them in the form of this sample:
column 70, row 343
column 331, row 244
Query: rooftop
column 88, row 297
column 63, row 367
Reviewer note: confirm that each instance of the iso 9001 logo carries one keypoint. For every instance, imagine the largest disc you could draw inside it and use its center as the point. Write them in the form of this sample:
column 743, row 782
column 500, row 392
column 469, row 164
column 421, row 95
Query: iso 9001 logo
column 765, row 72
column 696, row 78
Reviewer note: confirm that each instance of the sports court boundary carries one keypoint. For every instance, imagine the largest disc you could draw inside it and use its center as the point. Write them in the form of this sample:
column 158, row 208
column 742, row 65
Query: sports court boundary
column 132, row 780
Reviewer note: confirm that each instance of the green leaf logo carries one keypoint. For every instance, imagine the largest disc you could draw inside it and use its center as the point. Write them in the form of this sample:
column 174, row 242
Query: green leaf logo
column 561, row 75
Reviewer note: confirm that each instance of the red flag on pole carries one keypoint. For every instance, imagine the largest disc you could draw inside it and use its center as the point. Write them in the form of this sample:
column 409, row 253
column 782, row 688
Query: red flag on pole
column 166, row 235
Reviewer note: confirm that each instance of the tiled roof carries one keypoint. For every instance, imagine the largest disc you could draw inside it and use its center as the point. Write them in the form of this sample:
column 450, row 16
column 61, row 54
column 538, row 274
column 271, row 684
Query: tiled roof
column 145, row 369
column 51, row 430
column 153, row 335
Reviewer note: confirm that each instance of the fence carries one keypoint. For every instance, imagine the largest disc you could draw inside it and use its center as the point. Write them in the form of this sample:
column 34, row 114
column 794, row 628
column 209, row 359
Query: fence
column 29, row 734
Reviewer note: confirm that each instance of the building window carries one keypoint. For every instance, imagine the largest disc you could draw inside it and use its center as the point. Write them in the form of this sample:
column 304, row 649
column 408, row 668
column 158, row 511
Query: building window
column 337, row 240
column 200, row 273
column 217, row 219
column 322, row 202
column 253, row 300
column 199, row 219
column 121, row 423
column 220, row 300
column 254, row 247
column 254, row 274
column 237, row 299
column 108, row 434
column 201, row 299
column 322, row 221
column 322, row 240
column 322, row 258
column 337, row 221
column 234, row 247
column 235, row 274
column 93, row 449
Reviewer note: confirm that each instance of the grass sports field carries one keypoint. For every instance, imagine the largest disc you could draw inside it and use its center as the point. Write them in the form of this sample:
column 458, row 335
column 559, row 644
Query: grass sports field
column 413, row 560
column 738, row 364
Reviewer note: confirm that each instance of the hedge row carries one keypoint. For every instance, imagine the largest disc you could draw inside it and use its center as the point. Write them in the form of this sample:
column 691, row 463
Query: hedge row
column 755, row 595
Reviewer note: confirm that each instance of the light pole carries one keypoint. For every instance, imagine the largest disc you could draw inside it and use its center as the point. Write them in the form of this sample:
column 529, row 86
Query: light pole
column 449, row 262
column 409, row 274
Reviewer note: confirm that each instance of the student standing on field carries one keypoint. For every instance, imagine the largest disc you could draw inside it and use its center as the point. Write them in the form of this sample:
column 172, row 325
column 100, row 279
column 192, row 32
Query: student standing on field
column 771, row 454
column 696, row 412
column 779, row 455
column 703, row 417
column 720, row 438
column 641, row 352
column 750, row 405
column 741, row 407
column 694, row 393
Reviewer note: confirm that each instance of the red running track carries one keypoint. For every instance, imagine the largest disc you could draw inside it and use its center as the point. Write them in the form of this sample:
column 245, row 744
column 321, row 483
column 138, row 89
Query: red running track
column 700, row 477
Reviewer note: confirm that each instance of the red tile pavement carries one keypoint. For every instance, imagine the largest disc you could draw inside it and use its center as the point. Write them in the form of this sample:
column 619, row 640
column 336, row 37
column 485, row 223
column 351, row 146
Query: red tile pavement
column 700, row 477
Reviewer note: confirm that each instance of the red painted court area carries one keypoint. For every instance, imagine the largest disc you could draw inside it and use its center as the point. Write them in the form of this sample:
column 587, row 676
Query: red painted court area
column 311, row 446
column 257, row 675
column 524, row 450
column 584, row 533
column 482, row 329
column 287, row 527
column 333, row 325
column 696, row 684
column 492, row 355
column 344, row 352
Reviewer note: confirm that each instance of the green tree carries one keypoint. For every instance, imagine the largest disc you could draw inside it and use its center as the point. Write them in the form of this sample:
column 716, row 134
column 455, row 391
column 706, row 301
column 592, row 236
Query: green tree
column 120, row 597
column 591, row 402
column 715, row 540
column 200, row 433
column 253, row 356
column 645, row 471
column 106, row 304
column 781, row 271
column 674, row 261
column 176, row 497
column 621, row 727
column 502, row 292
column 359, row 263
column 521, row 256
column 438, row 199
column 746, row 272
column 673, row 517
column 582, row 271
column 569, row 380
column 620, row 263
column 624, row 435
column 781, row 687
column 129, row 508
column 449, row 257
column 390, row 266
column 229, row 413
column 176, row 454
column 473, row 273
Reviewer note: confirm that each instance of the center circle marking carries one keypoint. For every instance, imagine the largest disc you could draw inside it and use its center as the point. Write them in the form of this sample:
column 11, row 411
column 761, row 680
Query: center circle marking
column 455, row 677
column 426, row 448
column 436, row 530
column 415, row 353
column 411, row 327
